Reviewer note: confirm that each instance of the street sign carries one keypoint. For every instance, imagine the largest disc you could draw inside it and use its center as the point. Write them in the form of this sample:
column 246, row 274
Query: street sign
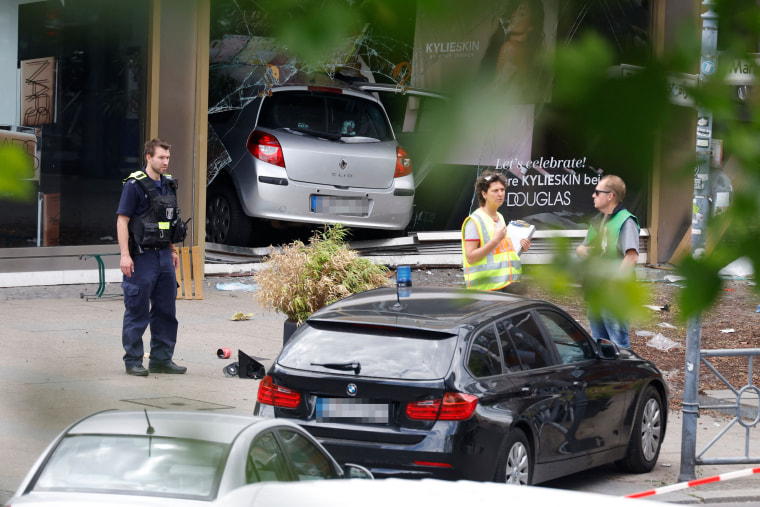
column 742, row 72
column 679, row 85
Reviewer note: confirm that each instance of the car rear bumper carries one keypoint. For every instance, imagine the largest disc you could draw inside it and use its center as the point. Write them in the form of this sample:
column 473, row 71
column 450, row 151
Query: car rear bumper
column 268, row 193
column 448, row 451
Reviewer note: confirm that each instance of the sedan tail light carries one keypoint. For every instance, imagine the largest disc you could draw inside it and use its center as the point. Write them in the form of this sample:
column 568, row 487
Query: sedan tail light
column 266, row 148
column 403, row 163
column 277, row 396
column 453, row 407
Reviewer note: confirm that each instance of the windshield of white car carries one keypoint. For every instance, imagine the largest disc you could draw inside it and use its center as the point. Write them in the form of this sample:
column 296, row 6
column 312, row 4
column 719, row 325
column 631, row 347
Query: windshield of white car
column 135, row 464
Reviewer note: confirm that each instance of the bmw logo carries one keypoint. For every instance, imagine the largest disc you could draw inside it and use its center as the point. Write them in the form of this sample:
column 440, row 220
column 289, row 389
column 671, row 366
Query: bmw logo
column 351, row 389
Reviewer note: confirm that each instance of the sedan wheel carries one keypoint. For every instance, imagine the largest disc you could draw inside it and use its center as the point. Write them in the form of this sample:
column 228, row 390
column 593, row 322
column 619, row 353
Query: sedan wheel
column 517, row 467
column 646, row 437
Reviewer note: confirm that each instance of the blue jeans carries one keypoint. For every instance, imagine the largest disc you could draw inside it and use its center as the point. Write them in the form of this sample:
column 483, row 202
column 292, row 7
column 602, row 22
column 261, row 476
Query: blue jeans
column 607, row 327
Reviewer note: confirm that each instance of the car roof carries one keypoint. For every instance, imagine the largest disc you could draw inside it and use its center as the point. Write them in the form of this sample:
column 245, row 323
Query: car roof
column 209, row 426
column 426, row 308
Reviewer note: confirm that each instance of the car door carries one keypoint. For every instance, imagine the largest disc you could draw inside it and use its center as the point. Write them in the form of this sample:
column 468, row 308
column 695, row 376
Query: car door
column 545, row 397
column 597, row 393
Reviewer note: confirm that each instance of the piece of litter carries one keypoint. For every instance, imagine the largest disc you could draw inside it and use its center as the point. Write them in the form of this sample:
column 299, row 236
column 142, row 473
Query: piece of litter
column 731, row 330
column 667, row 465
column 235, row 286
column 658, row 308
column 667, row 325
column 241, row 316
column 660, row 342
column 644, row 333
column 674, row 278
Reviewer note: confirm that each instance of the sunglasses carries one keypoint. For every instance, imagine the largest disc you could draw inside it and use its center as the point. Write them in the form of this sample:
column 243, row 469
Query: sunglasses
column 597, row 192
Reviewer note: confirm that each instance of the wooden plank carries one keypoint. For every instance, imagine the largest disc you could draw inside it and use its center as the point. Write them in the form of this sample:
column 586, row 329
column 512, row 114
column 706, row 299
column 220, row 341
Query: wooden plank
column 178, row 276
column 187, row 273
column 197, row 273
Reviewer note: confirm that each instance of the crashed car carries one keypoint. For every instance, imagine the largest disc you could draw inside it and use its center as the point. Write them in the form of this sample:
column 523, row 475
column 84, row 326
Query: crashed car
column 310, row 155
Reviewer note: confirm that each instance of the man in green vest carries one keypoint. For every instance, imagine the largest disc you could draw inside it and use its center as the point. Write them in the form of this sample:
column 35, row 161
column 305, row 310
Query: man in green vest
column 614, row 235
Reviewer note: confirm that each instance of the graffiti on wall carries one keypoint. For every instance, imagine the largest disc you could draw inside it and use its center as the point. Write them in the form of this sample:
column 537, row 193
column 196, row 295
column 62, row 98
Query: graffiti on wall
column 37, row 91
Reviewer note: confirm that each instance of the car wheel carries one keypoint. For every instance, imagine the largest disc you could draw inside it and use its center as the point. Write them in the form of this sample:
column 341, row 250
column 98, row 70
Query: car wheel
column 647, row 434
column 226, row 223
column 517, row 462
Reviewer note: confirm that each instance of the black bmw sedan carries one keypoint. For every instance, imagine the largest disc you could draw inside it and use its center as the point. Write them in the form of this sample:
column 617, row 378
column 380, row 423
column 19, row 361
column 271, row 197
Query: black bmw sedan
column 463, row 384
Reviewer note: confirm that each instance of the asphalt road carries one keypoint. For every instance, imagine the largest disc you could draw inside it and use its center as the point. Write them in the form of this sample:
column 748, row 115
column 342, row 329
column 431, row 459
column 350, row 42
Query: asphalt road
column 62, row 361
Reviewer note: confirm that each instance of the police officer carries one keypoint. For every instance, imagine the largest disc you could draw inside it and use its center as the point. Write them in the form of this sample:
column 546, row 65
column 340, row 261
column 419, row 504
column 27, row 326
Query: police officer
column 148, row 227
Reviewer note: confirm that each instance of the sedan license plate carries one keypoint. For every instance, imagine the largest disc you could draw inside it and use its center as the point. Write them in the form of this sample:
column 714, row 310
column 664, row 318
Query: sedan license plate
column 351, row 410
column 335, row 205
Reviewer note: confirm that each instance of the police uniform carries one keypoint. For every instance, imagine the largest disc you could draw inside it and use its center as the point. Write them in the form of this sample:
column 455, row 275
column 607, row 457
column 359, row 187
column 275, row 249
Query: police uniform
column 150, row 293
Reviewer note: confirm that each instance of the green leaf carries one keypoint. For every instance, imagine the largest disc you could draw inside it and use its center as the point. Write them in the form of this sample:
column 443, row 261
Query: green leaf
column 702, row 286
column 16, row 173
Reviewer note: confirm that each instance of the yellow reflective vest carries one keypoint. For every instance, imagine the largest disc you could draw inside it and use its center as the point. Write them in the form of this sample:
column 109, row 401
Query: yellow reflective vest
column 497, row 269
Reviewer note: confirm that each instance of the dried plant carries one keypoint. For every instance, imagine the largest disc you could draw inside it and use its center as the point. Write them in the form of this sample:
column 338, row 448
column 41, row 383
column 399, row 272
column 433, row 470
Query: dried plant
column 300, row 279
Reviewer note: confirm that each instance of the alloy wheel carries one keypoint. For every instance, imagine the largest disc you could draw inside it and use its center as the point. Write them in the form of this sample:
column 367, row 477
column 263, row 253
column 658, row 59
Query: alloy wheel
column 651, row 429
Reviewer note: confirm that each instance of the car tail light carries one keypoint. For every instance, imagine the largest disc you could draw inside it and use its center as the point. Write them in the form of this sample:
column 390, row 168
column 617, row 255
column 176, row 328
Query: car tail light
column 403, row 163
column 433, row 464
column 277, row 396
column 266, row 148
column 453, row 407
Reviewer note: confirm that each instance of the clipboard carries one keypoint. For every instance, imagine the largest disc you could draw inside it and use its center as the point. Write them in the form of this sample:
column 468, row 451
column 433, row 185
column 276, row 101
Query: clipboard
column 517, row 230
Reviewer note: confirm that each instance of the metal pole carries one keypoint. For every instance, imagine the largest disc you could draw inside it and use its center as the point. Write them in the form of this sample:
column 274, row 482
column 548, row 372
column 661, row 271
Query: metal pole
column 700, row 213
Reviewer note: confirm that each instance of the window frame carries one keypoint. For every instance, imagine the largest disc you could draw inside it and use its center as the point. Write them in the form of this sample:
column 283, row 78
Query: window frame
column 549, row 337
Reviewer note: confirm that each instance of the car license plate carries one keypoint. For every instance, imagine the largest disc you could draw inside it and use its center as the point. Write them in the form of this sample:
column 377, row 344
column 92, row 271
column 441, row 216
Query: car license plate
column 351, row 410
column 335, row 205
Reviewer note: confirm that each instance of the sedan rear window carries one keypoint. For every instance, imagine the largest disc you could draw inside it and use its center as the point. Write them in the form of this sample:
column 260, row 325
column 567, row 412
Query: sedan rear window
column 374, row 352
column 333, row 115
column 145, row 465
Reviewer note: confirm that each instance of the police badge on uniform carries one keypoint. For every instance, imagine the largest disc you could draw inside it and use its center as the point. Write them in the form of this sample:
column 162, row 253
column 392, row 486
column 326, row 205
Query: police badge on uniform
column 169, row 213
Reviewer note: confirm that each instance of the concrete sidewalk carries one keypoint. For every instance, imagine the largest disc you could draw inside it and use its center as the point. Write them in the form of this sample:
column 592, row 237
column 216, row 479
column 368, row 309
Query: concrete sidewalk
column 62, row 361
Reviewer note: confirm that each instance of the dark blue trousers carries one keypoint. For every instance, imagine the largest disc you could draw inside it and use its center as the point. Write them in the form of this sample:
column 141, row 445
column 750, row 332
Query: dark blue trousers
column 150, row 297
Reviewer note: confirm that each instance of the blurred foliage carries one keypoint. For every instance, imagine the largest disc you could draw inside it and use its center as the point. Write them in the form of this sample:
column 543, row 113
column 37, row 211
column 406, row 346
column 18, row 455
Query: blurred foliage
column 614, row 121
column 16, row 175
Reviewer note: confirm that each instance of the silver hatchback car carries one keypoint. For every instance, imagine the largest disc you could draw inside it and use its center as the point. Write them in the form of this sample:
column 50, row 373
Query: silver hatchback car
column 308, row 154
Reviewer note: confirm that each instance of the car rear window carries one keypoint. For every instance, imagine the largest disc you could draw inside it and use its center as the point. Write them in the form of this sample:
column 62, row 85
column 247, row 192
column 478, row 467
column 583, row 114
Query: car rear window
column 132, row 464
column 346, row 117
column 379, row 352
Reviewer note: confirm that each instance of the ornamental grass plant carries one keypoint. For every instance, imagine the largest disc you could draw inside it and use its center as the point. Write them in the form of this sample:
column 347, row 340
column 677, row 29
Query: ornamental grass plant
column 299, row 279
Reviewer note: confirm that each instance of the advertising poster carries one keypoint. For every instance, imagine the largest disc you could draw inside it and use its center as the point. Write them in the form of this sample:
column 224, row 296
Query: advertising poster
column 501, row 44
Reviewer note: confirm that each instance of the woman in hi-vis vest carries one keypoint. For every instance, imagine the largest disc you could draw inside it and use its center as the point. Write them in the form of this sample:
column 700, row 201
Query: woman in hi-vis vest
column 488, row 255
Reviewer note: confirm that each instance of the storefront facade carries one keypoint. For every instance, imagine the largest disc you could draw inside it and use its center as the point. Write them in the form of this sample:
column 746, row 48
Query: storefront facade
column 122, row 73
column 128, row 72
